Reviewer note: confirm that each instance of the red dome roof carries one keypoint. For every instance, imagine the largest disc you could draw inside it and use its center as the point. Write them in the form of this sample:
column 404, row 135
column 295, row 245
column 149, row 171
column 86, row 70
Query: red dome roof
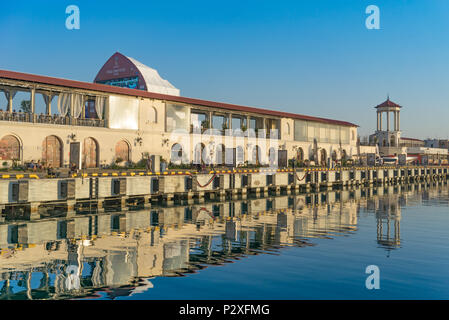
column 388, row 103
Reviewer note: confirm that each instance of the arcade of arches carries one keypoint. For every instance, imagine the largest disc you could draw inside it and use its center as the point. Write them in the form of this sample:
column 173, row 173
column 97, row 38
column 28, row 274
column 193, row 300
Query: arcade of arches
column 53, row 151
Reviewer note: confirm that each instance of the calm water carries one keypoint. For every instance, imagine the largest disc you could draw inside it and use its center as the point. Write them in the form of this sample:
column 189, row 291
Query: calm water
column 287, row 247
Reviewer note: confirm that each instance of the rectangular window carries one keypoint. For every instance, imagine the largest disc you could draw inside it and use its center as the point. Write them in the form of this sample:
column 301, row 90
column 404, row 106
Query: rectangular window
column 323, row 137
column 218, row 122
column 344, row 135
column 310, row 131
column 300, row 130
column 198, row 121
column 177, row 117
column 334, row 134
column 123, row 113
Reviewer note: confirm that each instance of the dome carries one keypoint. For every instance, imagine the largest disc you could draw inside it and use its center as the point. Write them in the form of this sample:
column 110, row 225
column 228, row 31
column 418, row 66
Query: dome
column 123, row 71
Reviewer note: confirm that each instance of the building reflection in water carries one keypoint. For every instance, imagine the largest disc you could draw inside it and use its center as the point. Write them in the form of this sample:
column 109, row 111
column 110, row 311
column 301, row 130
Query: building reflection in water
column 117, row 254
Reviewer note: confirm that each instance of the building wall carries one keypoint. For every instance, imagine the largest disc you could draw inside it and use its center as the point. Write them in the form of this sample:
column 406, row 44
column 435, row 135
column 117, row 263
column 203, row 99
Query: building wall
column 151, row 137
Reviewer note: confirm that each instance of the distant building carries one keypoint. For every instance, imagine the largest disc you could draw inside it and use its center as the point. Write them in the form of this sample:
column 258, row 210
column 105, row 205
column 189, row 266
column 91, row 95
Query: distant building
column 437, row 143
column 411, row 142
column 388, row 138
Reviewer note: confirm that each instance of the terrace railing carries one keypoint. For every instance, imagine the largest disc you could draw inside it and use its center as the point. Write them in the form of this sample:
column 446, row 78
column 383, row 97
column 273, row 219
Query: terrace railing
column 47, row 119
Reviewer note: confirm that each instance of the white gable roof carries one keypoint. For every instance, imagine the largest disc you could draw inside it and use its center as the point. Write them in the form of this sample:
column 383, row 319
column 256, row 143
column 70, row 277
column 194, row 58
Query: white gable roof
column 154, row 81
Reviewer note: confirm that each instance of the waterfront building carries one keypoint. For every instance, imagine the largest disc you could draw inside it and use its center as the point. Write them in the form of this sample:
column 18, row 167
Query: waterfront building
column 106, row 122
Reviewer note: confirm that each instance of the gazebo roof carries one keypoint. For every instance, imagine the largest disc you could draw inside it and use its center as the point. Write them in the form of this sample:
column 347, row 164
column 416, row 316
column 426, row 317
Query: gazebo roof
column 388, row 103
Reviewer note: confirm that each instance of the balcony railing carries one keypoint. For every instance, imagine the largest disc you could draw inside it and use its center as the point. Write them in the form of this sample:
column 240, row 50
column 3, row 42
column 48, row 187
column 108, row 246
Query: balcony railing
column 221, row 132
column 47, row 119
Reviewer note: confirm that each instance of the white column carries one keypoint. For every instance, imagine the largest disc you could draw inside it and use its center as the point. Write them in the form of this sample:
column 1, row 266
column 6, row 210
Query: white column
column 395, row 121
column 10, row 98
column 33, row 100
column 388, row 121
column 377, row 120
column 50, row 97
column 380, row 121
column 210, row 116
column 399, row 122
column 264, row 126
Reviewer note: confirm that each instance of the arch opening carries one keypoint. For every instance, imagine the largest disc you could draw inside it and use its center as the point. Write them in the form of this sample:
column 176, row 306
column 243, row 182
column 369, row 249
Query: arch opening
column 9, row 148
column 52, row 152
column 91, row 155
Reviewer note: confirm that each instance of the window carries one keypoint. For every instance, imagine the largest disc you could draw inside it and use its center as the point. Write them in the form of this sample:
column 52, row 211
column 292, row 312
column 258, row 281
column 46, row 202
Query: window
column 176, row 153
column 300, row 130
column 177, row 117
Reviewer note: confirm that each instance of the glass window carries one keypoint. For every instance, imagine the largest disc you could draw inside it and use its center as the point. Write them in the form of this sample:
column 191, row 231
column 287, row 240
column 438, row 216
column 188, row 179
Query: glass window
column 300, row 130
column 177, row 117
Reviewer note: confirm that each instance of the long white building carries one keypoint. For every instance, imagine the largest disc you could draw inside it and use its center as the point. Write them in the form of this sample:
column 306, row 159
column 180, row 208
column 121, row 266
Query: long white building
column 130, row 112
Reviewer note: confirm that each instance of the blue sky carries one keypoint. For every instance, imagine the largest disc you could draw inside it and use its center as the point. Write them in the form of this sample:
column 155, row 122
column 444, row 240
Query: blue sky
column 313, row 57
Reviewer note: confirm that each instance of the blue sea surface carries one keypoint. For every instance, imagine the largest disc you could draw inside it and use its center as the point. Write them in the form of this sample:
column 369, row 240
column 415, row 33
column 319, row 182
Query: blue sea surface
column 316, row 247
column 333, row 268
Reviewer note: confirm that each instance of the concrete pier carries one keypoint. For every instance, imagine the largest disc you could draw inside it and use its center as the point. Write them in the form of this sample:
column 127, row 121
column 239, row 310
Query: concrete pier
column 134, row 191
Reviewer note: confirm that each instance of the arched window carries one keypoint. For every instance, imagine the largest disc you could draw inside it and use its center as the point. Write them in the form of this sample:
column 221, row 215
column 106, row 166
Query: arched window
column 240, row 155
column 288, row 128
column 9, row 148
column 176, row 153
column 299, row 154
column 392, row 141
column 91, row 154
column 272, row 156
column 198, row 154
column 153, row 115
column 52, row 152
column 122, row 151
column 334, row 155
column 220, row 155
column 256, row 155
column 323, row 157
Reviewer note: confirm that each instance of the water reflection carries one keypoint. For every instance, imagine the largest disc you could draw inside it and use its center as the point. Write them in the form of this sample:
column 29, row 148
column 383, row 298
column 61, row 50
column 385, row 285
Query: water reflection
column 118, row 254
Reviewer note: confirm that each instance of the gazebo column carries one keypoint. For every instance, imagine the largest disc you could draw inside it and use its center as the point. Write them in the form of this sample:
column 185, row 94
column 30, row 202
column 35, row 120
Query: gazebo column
column 395, row 121
column 388, row 121
column 378, row 129
column 380, row 121
column 399, row 122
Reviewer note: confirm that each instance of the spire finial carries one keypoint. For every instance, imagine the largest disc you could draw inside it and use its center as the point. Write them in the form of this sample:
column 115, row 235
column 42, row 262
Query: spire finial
column 388, row 97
